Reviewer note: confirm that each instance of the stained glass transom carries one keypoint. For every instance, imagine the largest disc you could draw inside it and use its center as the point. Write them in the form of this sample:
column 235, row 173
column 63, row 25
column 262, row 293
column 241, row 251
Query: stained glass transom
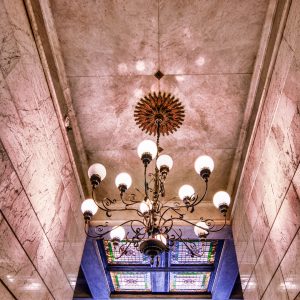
column 133, row 256
column 131, row 281
column 189, row 281
column 181, row 255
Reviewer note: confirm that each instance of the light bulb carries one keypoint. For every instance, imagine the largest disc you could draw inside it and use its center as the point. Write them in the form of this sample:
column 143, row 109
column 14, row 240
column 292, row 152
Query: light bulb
column 162, row 238
column 97, row 169
column 204, row 162
column 123, row 179
column 118, row 233
column 145, row 206
column 164, row 160
column 221, row 198
column 186, row 191
column 147, row 146
column 199, row 231
column 89, row 206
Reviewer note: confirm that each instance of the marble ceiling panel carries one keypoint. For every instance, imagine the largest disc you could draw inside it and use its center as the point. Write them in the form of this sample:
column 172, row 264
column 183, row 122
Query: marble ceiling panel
column 107, row 37
column 209, row 37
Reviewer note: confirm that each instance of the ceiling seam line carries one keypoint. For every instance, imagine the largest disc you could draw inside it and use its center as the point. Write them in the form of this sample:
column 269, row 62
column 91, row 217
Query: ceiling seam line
column 150, row 75
column 158, row 43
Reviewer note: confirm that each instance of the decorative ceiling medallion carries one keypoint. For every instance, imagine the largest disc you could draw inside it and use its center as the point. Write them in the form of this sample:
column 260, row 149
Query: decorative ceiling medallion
column 161, row 107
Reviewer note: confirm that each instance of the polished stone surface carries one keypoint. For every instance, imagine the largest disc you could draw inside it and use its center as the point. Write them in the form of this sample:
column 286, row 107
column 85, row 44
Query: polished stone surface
column 5, row 294
column 42, row 241
column 276, row 288
column 290, row 268
column 247, row 263
column 16, row 270
column 251, row 293
column 267, row 217
column 287, row 223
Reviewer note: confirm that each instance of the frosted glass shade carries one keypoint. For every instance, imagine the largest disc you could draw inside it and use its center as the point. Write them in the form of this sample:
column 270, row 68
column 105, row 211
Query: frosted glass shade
column 145, row 206
column 204, row 162
column 118, row 232
column 161, row 238
column 186, row 191
column 164, row 160
column 89, row 205
column 97, row 169
column 221, row 198
column 199, row 231
column 123, row 179
column 147, row 146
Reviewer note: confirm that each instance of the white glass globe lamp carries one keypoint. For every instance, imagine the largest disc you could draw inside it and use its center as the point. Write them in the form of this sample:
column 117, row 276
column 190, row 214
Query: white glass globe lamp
column 145, row 206
column 88, row 208
column 221, row 201
column 117, row 233
column 204, row 165
column 164, row 161
column 201, row 231
column 186, row 192
column 96, row 173
column 147, row 150
column 123, row 179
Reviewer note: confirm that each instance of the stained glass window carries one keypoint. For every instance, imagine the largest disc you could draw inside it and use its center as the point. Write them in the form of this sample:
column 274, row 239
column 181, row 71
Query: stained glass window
column 189, row 281
column 181, row 255
column 131, row 281
column 133, row 255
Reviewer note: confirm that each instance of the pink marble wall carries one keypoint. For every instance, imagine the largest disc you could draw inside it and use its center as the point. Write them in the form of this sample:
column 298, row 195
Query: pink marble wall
column 266, row 219
column 41, row 227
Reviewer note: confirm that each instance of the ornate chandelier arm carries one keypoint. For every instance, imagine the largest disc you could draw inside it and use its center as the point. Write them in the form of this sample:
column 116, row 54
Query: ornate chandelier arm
column 196, row 200
column 106, row 202
column 166, row 227
column 100, row 229
column 209, row 222
column 139, row 234
column 190, row 245
column 145, row 181
column 131, row 201
column 109, row 211
column 190, row 204
column 170, row 208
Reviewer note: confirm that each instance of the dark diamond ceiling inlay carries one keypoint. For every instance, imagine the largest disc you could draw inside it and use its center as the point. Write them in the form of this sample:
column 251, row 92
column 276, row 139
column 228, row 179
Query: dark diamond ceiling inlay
column 159, row 75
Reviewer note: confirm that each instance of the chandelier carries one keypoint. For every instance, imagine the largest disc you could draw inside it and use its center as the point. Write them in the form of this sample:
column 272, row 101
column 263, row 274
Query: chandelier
column 152, row 231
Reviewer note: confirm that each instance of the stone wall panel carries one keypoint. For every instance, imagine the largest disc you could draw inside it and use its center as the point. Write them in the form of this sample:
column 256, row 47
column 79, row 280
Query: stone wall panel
column 269, row 213
column 40, row 199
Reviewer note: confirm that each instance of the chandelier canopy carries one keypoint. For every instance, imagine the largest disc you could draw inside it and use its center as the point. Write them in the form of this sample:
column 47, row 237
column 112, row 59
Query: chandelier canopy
column 153, row 230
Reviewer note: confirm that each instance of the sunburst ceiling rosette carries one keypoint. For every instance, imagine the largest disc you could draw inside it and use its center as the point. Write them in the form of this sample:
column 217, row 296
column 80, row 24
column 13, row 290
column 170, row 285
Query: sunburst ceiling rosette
column 163, row 107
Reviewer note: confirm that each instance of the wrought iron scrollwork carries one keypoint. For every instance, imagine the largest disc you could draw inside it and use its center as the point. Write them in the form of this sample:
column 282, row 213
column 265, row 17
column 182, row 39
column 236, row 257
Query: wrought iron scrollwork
column 161, row 216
